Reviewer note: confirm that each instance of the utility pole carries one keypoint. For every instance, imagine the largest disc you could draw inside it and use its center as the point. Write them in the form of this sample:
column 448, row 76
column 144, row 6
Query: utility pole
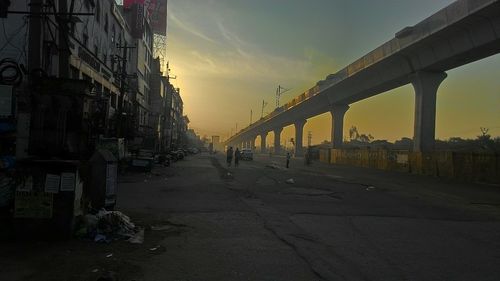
column 279, row 93
column 64, row 52
column 309, row 138
column 35, row 28
column 123, row 76
column 264, row 103
column 236, row 131
column 251, row 113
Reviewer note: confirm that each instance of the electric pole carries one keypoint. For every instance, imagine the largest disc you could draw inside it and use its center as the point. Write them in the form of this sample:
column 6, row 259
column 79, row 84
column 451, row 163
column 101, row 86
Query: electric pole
column 63, row 21
column 264, row 103
column 309, row 138
column 123, row 76
column 251, row 113
column 279, row 93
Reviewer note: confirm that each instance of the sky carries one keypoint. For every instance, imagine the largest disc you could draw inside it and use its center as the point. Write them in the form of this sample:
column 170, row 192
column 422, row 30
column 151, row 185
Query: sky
column 230, row 55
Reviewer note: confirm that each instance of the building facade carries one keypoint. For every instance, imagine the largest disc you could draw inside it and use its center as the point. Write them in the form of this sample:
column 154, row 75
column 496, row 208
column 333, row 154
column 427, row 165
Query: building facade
column 109, row 46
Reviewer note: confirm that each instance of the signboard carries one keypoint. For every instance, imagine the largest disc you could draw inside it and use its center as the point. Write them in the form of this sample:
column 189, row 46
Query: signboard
column 137, row 25
column 156, row 13
column 89, row 58
column 33, row 205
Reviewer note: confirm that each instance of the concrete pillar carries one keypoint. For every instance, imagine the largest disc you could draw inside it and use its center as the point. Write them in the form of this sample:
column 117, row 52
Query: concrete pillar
column 426, row 85
column 252, row 143
column 263, row 137
column 338, row 111
column 277, row 140
column 299, row 132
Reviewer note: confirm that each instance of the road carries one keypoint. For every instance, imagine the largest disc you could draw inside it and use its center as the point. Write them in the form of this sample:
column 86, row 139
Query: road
column 205, row 221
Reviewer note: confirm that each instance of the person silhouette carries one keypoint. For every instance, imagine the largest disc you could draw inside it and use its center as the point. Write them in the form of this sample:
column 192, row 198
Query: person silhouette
column 229, row 156
column 237, row 156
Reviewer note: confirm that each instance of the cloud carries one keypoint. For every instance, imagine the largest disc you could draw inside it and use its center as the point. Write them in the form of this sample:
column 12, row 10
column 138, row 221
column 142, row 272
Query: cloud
column 184, row 25
column 236, row 58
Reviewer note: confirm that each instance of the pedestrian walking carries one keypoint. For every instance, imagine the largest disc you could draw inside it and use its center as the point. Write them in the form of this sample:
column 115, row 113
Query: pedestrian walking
column 307, row 157
column 237, row 156
column 229, row 156
column 287, row 160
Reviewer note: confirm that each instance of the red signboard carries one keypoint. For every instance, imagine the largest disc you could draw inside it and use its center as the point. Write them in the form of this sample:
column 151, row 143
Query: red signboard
column 156, row 13
column 137, row 20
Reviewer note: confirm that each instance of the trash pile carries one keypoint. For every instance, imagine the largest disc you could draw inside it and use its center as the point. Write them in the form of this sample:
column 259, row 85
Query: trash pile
column 107, row 226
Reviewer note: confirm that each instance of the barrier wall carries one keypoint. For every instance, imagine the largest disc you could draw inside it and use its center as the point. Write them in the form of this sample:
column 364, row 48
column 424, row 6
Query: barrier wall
column 467, row 166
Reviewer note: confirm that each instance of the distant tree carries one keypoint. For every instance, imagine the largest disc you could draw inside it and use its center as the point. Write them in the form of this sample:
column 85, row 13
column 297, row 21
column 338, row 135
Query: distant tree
column 456, row 140
column 484, row 134
column 354, row 135
column 365, row 138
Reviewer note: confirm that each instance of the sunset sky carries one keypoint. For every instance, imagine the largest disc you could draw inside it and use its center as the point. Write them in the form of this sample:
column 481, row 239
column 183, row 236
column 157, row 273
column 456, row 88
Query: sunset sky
column 229, row 55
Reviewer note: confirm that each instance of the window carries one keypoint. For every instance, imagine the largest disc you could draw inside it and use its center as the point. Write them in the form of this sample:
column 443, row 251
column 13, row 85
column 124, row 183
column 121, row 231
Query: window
column 105, row 58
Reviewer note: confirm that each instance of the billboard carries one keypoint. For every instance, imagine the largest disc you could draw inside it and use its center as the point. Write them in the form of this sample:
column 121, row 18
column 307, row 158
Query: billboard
column 137, row 20
column 156, row 13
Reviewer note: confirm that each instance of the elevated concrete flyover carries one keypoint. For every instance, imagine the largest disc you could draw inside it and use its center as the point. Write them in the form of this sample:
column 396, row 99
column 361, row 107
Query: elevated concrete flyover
column 463, row 32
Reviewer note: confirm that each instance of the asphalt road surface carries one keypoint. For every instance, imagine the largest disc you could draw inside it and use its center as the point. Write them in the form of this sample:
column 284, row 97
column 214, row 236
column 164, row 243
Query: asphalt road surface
column 261, row 221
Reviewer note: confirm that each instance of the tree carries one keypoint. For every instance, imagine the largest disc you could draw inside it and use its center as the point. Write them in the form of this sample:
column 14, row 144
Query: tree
column 354, row 135
column 484, row 137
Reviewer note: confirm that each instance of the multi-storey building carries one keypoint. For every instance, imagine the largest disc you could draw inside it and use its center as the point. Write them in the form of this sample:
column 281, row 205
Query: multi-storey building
column 158, row 98
column 110, row 46
column 141, row 63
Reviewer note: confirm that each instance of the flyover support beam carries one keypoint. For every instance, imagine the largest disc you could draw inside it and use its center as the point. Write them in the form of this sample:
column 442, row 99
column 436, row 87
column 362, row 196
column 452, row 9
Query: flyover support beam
column 277, row 140
column 338, row 111
column 299, row 132
column 263, row 137
column 252, row 143
column 426, row 85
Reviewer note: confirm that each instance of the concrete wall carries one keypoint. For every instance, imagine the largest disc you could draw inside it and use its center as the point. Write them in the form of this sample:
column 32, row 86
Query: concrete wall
column 467, row 166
